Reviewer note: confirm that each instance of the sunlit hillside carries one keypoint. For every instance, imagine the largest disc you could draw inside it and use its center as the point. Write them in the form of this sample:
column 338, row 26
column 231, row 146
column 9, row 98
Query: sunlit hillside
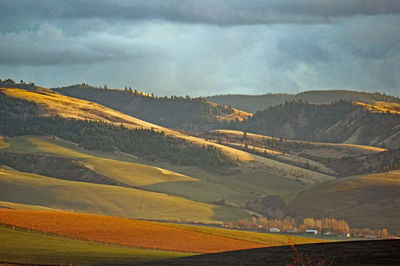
column 381, row 107
column 68, row 107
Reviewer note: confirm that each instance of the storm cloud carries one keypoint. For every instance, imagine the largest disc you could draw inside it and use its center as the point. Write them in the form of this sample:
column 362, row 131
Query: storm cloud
column 204, row 47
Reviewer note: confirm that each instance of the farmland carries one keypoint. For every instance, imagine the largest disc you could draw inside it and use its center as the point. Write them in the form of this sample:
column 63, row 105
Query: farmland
column 141, row 234
column 36, row 248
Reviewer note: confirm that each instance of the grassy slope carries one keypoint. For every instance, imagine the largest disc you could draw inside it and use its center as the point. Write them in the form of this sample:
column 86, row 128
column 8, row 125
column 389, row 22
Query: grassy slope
column 69, row 107
column 207, row 187
column 33, row 189
column 143, row 233
column 364, row 201
column 127, row 172
column 35, row 248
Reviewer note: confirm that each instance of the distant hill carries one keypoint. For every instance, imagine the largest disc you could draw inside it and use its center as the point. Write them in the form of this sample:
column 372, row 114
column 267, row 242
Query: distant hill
column 253, row 103
column 173, row 112
column 339, row 122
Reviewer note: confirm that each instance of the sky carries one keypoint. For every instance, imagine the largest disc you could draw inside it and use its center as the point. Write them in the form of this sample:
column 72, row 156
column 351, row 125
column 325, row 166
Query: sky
column 204, row 47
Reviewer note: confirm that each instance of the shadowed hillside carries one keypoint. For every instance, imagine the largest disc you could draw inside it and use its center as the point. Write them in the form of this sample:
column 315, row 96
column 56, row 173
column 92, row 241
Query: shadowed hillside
column 382, row 252
column 339, row 122
column 254, row 103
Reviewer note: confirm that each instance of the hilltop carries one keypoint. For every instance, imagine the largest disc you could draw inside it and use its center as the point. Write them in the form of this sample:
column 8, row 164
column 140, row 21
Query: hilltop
column 254, row 103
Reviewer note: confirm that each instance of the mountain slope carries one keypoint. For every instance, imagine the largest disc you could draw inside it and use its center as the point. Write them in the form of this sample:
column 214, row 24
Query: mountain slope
column 253, row 103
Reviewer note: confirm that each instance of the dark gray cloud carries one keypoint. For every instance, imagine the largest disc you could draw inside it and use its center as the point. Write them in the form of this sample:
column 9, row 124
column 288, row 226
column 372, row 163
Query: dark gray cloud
column 220, row 12
column 204, row 47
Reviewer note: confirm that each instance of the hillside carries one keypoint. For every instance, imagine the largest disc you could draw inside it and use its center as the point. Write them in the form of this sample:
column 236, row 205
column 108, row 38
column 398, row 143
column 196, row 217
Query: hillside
column 336, row 159
column 254, row 103
column 364, row 201
column 174, row 112
column 339, row 122
column 46, row 108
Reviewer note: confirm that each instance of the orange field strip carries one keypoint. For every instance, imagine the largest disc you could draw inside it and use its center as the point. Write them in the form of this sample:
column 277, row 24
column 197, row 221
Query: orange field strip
column 121, row 231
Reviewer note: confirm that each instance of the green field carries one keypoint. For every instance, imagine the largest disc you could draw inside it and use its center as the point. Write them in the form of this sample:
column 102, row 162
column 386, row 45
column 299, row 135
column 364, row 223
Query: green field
column 34, row 248
column 32, row 189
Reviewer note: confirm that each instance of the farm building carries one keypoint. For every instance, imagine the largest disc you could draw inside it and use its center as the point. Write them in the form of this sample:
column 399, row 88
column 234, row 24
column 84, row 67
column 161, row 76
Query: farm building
column 311, row 231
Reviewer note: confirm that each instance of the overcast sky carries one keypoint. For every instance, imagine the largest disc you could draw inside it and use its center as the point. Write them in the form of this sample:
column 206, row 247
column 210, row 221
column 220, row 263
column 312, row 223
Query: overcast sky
column 204, row 47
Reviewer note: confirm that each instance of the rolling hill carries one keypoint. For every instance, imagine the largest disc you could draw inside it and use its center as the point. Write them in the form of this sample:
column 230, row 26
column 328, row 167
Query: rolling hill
column 48, row 105
column 189, row 182
column 174, row 112
column 254, row 103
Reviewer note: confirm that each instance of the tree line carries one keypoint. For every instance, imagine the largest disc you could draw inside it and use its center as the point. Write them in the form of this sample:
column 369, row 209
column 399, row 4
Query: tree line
column 324, row 225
